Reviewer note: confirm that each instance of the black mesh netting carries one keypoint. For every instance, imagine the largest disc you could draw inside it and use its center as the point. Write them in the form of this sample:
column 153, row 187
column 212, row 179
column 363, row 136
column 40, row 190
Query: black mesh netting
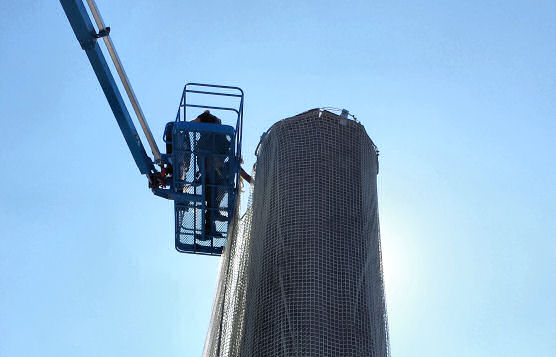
column 302, row 273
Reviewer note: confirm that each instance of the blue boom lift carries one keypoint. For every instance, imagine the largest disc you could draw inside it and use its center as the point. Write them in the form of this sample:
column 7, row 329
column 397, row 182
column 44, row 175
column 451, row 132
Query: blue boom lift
column 200, row 170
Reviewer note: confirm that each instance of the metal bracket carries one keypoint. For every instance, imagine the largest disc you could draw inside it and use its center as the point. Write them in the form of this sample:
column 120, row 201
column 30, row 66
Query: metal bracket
column 103, row 33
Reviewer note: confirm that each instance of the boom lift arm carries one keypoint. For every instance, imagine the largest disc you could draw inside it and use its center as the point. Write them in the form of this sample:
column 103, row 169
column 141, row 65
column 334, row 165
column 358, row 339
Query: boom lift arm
column 87, row 37
column 200, row 170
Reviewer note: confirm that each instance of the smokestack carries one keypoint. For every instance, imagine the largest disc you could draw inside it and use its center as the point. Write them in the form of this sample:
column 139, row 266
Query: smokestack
column 302, row 274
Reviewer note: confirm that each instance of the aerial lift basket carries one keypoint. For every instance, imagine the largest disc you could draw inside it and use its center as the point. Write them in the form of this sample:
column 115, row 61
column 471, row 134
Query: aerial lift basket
column 206, row 161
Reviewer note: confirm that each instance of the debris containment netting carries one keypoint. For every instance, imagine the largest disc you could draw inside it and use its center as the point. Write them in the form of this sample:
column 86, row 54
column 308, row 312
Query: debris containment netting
column 301, row 274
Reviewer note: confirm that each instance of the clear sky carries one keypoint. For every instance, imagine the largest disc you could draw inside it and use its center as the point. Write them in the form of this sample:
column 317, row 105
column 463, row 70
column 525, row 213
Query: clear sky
column 459, row 96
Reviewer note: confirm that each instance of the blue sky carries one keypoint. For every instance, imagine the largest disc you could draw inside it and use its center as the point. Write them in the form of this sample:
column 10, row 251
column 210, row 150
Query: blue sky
column 459, row 96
